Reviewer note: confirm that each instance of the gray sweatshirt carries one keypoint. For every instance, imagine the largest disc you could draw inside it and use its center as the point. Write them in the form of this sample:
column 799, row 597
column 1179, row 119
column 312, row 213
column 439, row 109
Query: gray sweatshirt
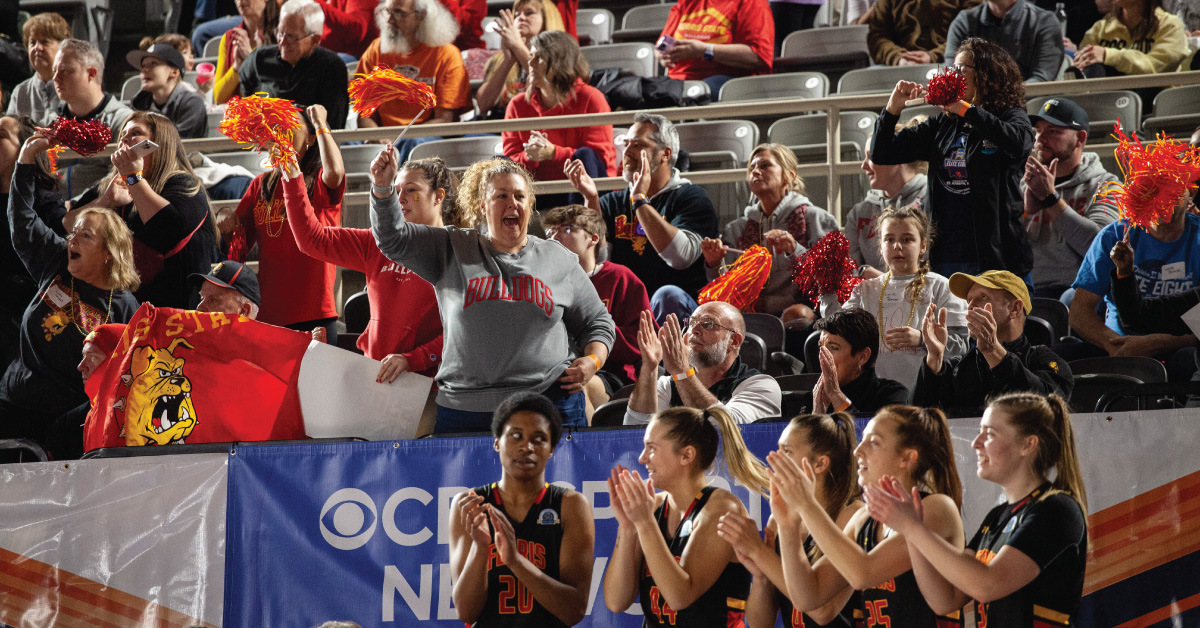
column 510, row 322
column 1059, row 247
column 861, row 225
column 778, row 293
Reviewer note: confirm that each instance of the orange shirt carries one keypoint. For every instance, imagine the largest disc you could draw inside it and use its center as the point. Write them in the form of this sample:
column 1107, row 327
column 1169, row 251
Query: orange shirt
column 440, row 67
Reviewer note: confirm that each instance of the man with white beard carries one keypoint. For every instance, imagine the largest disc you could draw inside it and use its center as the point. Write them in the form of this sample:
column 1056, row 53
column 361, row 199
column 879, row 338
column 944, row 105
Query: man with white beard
column 659, row 208
column 415, row 40
column 703, row 368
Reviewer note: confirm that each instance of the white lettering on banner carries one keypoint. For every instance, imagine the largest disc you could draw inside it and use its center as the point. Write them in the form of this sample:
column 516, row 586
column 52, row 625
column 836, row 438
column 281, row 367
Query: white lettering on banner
column 394, row 582
column 389, row 516
column 444, row 499
column 350, row 531
column 446, row 592
column 590, row 489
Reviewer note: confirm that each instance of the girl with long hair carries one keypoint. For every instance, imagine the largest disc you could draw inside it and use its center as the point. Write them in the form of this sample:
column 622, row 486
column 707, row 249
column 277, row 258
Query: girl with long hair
column 976, row 151
column 558, row 76
column 910, row 444
column 163, row 202
column 297, row 290
column 903, row 293
column 827, row 441
column 1025, row 565
column 505, row 74
column 1136, row 37
column 667, row 548
column 532, row 566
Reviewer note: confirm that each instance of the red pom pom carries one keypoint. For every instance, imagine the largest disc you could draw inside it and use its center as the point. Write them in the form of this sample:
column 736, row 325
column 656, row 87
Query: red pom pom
column 826, row 268
column 946, row 87
column 1157, row 178
column 86, row 138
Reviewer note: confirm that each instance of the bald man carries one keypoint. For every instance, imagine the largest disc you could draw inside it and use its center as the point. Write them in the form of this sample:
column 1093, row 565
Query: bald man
column 703, row 368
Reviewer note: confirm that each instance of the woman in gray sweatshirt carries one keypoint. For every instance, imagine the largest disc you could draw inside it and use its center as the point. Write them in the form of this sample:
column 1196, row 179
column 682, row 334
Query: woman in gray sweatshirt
column 518, row 312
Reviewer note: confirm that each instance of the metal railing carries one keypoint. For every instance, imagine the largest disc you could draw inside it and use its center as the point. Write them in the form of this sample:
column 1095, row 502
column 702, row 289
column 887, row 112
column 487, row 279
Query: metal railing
column 833, row 168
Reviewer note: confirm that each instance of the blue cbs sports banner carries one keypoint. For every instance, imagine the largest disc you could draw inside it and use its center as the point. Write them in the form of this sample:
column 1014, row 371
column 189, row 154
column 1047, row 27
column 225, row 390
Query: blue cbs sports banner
column 360, row 531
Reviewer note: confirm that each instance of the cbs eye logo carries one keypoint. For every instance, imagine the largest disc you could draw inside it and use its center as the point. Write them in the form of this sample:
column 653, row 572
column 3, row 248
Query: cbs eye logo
column 348, row 519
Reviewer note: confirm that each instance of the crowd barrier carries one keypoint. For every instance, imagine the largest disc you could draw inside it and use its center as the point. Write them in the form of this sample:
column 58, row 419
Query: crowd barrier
column 298, row 534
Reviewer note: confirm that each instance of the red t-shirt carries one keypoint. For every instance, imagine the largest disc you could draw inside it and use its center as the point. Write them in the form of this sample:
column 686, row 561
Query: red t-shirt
column 625, row 297
column 469, row 14
column 721, row 22
column 584, row 99
column 404, row 308
column 349, row 25
column 294, row 287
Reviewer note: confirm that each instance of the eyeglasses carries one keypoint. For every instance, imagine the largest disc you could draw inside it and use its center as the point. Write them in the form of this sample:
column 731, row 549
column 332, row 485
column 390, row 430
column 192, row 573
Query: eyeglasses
column 282, row 37
column 565, row 229
column 707, row 324
column 959, row 67
column 399, row 14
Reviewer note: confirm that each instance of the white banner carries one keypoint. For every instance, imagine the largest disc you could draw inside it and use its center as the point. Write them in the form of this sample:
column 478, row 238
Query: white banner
column 118, row 542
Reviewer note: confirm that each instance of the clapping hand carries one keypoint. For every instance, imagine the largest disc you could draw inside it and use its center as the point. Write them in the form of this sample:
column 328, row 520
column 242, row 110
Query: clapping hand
column 935, row 335
column 676, row 357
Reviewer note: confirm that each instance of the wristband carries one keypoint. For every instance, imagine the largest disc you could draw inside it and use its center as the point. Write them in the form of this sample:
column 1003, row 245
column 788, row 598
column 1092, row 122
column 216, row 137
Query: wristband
column 964, row 108
column 1051, row 201
column 682, row 376
column 708, row 52
column 594, row 359
column 323, row 131
column 844, row 408
column 639, row 199
column 383, row 190
column 134, row 179
column 1119, row 275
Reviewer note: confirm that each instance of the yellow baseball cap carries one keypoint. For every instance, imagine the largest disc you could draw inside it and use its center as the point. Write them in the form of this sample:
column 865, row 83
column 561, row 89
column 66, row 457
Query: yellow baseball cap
column 960, row 284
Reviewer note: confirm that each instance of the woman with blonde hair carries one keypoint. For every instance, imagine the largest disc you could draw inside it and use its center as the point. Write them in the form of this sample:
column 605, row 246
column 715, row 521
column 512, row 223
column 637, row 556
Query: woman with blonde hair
column 1025, row 565
column 505, row 74
column 780, row 218
column 84, row 281
column 667, row 550
column 164, row 204
column 518, row 312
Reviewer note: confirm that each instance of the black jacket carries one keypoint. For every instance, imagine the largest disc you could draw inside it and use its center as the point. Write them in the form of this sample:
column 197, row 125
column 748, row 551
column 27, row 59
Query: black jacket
column 869, row 392
column 997, row 148
column 1161, row 315
column 968, row 382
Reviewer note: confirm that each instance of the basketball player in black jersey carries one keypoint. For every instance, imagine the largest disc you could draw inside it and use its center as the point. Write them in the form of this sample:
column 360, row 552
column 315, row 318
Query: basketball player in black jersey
column 827, row 442
column 667, row 548
column 912, row 445
column 1025, row 565
column 532, row 566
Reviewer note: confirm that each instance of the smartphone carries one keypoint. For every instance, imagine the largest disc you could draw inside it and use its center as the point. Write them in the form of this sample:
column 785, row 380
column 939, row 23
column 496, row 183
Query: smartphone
column 144, row 148
column 665, row 43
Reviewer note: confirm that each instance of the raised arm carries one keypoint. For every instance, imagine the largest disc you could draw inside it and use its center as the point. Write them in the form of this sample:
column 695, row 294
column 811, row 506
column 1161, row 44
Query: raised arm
column 34, row 242
column 422, row 249
column 333, row 171
column 567, row 598
column 644, row 398
column 344, row 247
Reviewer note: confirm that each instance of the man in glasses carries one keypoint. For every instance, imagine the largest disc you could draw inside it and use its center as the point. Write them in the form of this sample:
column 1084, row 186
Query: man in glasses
column 298, row 68
column 701, row 359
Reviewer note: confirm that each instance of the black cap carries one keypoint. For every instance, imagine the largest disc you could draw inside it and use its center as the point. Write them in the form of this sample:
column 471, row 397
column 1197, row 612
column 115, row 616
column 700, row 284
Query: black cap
column 1062, row 112
column 233, row 275
column 163, row 52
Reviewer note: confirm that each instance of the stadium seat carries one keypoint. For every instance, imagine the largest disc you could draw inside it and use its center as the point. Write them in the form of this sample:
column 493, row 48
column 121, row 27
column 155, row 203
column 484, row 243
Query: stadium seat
column 596, row 24
column 1146, row 370
column 213, row 47
column 611, row 414
column 247, row 159
column 1175, row 112
column 352, row 67
column 735, row 137
column 643, row 23
column 812, row 352
column 214, row 123
column 833, row 50
column 1038, row 331
column 357, row 312
column 801, row 382
column 775, row 86
column 1054, row 312
column 796, row 402
column 883, row 78
column 460, row 152
column 768, row 327
column 853, row 186
column 623, row 392
column 856, row 126
column 696, row 89
column 928, row 111
column 754, row 352
column 357, row 160
column 491, row 34
column 1089, row 387
column 130, row 88
column 635, row 57
column 1104, row 110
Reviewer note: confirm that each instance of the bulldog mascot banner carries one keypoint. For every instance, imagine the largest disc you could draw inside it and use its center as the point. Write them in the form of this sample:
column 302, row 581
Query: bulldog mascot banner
column 181, row 376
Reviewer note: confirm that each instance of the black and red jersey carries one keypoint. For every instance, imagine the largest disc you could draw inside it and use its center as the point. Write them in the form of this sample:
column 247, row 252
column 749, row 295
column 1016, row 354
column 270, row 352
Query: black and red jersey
column 539, row 539
column 723, row 605
column 795, row 619
column 898, row 601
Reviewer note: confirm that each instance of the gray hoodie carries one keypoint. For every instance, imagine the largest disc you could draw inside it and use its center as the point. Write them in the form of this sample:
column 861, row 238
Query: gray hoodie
column 862, row 222
column 510, row 322
column 778, row 294
column 1059, row 247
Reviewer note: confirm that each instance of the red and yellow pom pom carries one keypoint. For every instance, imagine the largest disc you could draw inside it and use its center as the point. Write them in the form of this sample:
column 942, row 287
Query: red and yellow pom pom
column 385, row 84
column 946, row 87
column 826, row 268
column 744, row 281
column 265, row 123
column 1156, row 178
column 84, row 137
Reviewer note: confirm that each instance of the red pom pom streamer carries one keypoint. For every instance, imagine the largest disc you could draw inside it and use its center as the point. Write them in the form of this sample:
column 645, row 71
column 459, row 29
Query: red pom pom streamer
column 385, row 84
column 265, row 123
column 743, row 282
column 84, row 137
column 1156, row 178
column 946, row 87
column 826, row 268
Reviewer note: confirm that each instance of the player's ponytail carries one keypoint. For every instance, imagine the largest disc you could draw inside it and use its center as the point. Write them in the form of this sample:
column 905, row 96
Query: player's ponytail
column 926, row 431
column 1048, row 419
column 832, row 435
column 706, row 430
